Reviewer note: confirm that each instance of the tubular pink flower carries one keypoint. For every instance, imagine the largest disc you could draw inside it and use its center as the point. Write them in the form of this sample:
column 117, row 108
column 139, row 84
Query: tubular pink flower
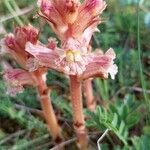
column 43, row 57
column 15, row 43
column 16, row 79
column 75, row 61
column 65, row 11
column 101, row 66
column 69, row 59
column 70, row 18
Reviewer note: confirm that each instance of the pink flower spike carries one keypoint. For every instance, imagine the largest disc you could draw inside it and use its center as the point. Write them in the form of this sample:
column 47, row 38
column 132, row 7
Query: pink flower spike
column 15, row 80
column 9, row 45
column 14, row 44
column 70, row 18
column 25, row 34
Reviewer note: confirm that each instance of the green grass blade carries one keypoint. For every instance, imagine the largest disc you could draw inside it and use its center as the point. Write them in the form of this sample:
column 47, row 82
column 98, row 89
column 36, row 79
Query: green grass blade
column 139, row 55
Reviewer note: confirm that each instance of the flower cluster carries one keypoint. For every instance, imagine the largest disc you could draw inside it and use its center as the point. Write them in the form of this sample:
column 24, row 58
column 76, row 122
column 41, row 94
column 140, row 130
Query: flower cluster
column 14, row 44
column 74, row 23
column 74, row 61
column 71, row 18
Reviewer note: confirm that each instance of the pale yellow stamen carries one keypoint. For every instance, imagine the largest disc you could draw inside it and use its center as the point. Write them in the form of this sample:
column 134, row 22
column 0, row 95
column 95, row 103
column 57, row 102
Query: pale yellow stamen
column 72, row 56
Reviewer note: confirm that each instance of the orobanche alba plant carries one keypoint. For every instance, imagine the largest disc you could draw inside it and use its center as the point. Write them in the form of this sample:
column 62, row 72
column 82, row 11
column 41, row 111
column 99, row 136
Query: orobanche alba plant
column 74, row 23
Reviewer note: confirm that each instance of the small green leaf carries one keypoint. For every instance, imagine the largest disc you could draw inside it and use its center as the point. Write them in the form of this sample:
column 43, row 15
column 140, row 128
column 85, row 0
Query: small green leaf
column 122, row 127
column 115, row 120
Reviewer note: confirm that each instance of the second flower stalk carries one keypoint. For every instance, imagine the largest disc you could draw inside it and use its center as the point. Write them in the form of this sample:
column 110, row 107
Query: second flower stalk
column 47, row 108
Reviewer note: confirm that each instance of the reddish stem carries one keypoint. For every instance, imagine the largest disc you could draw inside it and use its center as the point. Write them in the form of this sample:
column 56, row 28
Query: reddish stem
column 78, row 117
column 48, row 111
column 88, row 92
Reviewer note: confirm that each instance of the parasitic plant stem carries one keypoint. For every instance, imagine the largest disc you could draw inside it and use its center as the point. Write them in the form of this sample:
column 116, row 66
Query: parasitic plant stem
column 88, row 92
column 78, row 116
column 48, row 111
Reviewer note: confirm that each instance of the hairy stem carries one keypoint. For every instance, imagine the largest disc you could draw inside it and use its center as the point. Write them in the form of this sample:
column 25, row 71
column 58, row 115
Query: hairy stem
column 88, row 92
column 48, row 111
column 78, row 117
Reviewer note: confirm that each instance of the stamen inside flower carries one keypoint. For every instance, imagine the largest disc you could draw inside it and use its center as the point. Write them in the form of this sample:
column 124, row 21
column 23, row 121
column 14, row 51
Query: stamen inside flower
column 72, row 55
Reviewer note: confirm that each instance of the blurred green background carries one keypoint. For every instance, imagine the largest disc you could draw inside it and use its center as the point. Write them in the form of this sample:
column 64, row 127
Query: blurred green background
column 123, row 103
